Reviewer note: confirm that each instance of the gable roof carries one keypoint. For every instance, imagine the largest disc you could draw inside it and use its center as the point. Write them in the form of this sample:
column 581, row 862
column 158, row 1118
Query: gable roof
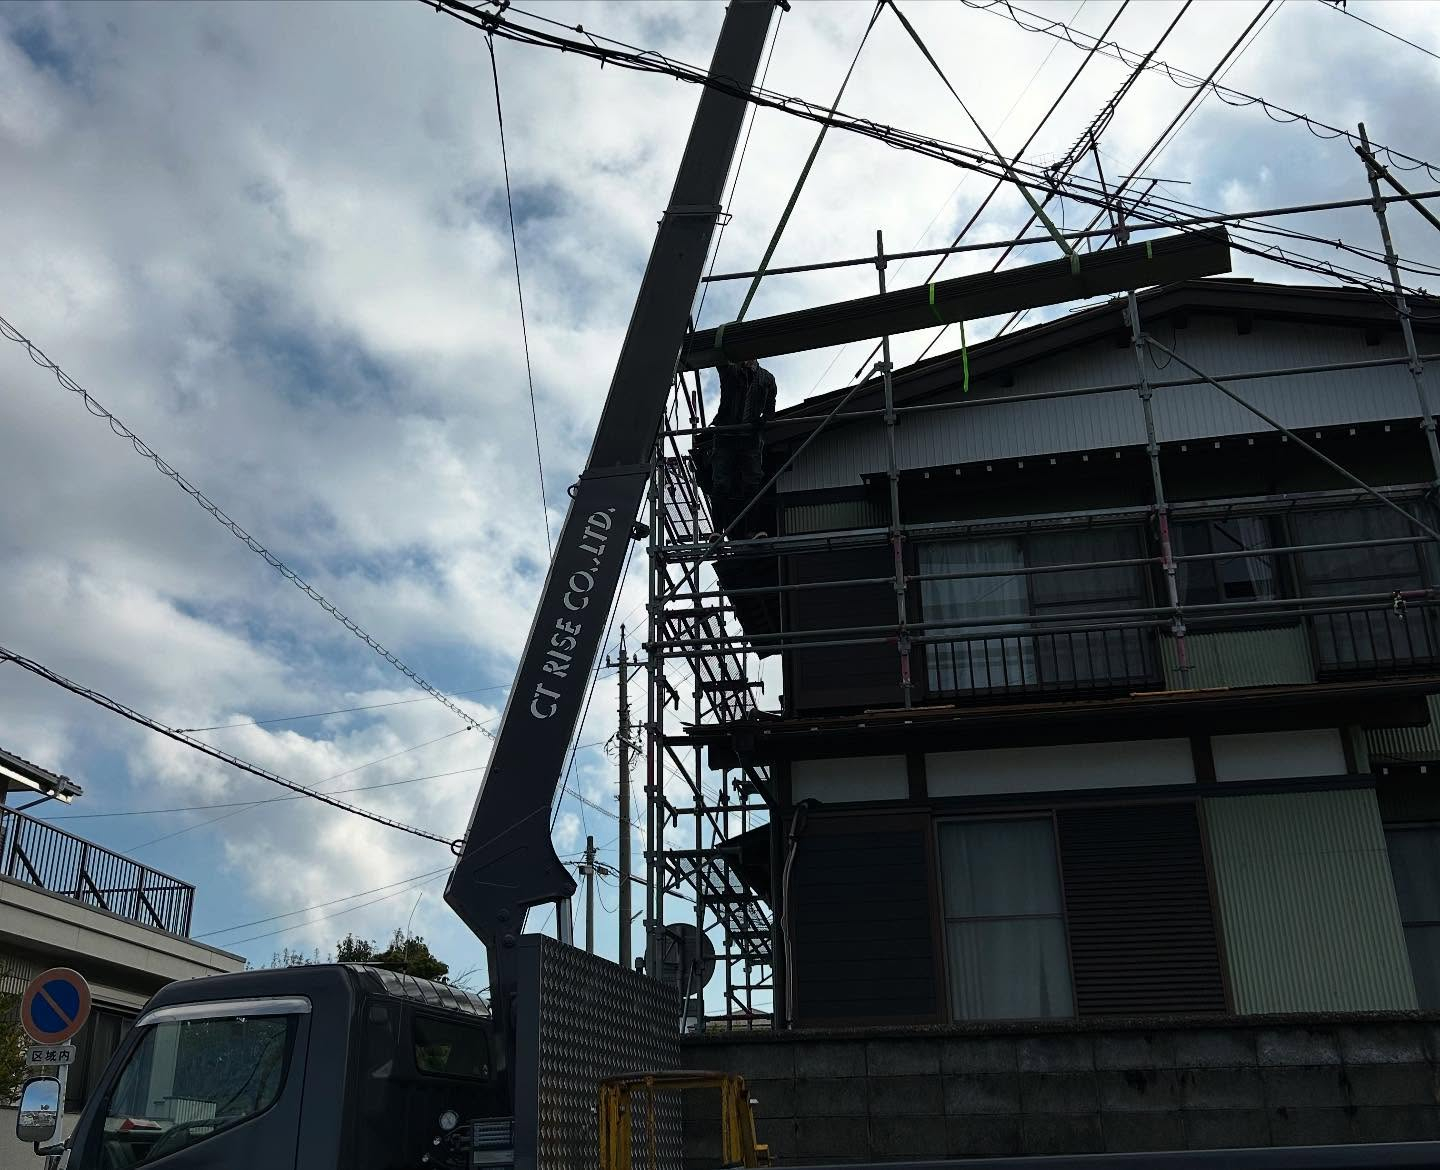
column 1237, row 296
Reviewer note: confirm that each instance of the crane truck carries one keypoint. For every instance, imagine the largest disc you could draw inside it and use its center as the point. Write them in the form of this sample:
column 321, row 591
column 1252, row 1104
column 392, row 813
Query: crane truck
column 348, row 1067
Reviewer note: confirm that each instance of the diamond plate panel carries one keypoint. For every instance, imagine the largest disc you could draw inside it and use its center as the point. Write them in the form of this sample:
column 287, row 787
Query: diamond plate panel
column 581, row 1018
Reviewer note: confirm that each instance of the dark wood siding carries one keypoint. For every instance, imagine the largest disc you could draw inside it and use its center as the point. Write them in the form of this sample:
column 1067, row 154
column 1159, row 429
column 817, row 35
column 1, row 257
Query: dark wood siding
column 1137, row 901
column 843, row 677
column 863, row 938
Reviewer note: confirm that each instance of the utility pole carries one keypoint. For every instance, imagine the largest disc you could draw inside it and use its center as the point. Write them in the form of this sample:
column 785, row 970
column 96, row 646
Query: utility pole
column 1374, row 172
column 624, row 662
column 588, row 869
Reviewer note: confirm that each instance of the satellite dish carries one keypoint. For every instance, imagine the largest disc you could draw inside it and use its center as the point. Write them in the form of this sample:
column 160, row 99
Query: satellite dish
column 687, row 957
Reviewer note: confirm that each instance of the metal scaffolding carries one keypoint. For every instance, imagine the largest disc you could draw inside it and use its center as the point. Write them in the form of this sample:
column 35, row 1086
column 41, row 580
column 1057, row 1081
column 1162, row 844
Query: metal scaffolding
column 703, row 667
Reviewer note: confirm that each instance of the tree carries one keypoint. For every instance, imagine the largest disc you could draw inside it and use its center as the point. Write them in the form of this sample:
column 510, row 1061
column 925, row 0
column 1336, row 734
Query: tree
column 354, row 950
column 410, row 955
column 12, row 1047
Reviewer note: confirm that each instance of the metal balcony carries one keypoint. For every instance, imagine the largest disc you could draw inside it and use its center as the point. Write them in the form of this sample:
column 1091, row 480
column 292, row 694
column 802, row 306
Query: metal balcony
column 58, row 862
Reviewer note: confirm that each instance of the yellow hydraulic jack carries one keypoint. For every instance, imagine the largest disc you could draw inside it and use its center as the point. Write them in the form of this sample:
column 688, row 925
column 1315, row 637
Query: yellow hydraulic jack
column 738, row 1146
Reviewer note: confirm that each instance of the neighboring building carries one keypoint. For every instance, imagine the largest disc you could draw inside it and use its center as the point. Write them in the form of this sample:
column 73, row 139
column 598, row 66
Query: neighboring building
column 67, row 902
column 1091, row 805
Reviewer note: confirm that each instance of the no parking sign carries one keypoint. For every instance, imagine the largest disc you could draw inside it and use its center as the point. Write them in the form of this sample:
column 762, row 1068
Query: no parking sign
column 55, row 1006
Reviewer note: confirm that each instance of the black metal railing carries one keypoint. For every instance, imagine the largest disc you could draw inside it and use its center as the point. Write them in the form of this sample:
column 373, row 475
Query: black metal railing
column 1068, row 662
column 1401, row 638
column 61, row 863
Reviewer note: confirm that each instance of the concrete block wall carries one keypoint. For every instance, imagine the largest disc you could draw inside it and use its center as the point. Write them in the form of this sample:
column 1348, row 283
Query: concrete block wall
column 1076, row 1089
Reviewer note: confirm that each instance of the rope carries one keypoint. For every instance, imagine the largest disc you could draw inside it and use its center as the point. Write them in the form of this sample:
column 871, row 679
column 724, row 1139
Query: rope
column 520, row 296
column 805, row 170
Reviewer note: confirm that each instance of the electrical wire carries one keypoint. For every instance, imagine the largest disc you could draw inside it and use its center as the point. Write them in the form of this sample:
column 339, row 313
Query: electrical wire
column 999, row 183
column 36, row 355
column 1231, row 97
column 1341, row 8
column 339, row 711
column 153, row 812
column 739, row 166
column 134, row 716
column 317, row 787
column 520, row 295
column 235, row 942
column 320, row 905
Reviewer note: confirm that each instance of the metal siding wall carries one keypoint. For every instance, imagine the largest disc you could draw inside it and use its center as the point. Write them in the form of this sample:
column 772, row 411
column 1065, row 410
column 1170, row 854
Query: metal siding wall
column 1240, row 658
column 840, row 514
column 1098, row 421
column 1307, row 905
column 1408, row 743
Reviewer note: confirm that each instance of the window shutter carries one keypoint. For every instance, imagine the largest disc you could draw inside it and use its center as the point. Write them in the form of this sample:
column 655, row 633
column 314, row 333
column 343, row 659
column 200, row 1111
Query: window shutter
column 1137, row 901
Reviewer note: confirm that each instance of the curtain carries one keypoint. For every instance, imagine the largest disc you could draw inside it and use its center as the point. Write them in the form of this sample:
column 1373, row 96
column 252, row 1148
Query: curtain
column 988, row 658
column 1004, row 930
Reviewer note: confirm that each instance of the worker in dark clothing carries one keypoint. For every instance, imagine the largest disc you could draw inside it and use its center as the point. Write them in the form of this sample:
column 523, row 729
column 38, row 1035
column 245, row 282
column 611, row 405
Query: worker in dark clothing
column 731, row 462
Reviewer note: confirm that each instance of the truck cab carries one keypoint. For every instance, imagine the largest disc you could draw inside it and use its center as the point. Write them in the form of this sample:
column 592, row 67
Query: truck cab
column 215, row 1073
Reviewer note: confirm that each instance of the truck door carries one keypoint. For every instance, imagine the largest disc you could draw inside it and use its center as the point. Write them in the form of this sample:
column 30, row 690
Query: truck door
column 215, row 1085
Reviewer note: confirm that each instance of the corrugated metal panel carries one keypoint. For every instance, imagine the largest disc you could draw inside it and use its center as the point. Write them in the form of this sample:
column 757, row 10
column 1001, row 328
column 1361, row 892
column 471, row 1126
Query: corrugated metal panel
column 1307, row 905
column 1240, row 658
column 838, row 514
column 1137, row 905
column 1408, row 743
column 1098, row 421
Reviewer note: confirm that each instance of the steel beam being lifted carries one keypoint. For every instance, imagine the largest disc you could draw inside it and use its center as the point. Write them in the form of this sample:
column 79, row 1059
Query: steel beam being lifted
column 965, row 298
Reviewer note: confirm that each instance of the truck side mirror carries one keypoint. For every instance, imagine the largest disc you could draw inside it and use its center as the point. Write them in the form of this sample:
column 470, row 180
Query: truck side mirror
column 39, row 1114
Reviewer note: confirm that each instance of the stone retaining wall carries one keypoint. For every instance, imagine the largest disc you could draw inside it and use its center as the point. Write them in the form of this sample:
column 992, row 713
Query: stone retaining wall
column 1087, row 1087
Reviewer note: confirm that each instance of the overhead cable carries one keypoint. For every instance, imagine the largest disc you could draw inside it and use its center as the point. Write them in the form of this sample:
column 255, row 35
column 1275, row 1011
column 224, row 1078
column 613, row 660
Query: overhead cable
column 338, row 711
column 1231, row 97
column 321, row 905
column 520, row 294
column 805, row 170
column 36, row 355
column 1340, row 7
column 118, row 708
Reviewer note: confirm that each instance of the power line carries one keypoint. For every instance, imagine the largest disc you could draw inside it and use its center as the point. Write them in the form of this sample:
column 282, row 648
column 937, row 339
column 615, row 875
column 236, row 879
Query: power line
column 235, row 942
column 118, row 708
column 321, row 905
column 36, row 355
column 1231, row 97
column 520, row 294
column 339, row 711
column 246, row 807
column 148, row 812
column 1340, row 7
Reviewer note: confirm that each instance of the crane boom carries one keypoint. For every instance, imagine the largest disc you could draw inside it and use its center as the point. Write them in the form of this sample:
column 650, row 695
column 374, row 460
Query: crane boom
column 508, row 864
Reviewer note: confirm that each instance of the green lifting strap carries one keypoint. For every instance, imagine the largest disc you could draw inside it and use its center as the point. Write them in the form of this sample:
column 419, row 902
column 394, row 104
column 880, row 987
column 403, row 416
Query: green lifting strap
column 1149, row 251
column 964, row 361
column 933, row 309
column 720, row 341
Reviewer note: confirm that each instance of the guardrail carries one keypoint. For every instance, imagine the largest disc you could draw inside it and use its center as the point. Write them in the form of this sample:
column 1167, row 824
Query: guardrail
column 58, row 862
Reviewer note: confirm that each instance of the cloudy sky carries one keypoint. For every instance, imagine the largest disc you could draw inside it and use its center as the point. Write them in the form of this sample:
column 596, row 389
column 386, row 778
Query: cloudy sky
column 272, row 238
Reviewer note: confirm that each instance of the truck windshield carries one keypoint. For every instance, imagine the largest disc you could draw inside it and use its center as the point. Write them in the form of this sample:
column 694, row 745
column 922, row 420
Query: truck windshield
column 188, row 1080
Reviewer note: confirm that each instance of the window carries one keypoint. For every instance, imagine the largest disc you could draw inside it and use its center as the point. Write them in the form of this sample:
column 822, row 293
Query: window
column 96, row 1043
column 1004, row 921
column 1225, row 579
column 1024, row 655
column 448, row 1048
column 1363, row 637
column 188, row 1080
column 1415, row 864
column 979, row 659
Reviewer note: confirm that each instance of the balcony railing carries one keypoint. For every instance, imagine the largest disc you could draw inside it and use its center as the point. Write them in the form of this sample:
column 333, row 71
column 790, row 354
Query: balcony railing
column 1084, row 662
column 61, row 863
column 1374, row 641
